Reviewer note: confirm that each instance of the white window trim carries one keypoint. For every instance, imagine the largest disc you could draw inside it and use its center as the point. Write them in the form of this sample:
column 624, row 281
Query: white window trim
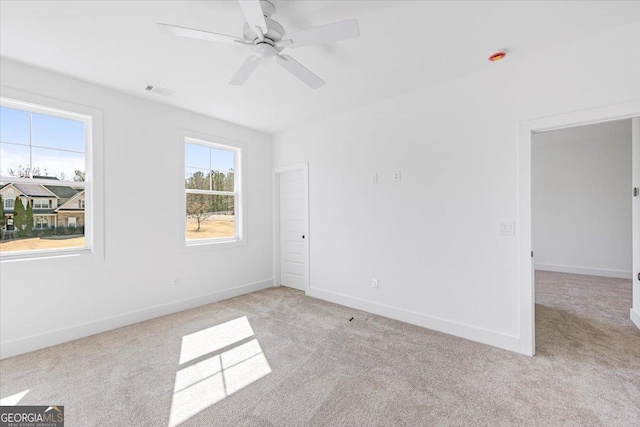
column 94, row 182
column 240, row 161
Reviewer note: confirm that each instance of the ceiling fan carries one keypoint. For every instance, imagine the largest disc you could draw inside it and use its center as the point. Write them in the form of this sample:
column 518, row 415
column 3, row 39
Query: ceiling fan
column 267, row 38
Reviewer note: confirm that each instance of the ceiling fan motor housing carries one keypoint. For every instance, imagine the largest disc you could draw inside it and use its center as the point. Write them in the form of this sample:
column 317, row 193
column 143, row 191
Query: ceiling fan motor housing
column 265, row 50
column 273, row 35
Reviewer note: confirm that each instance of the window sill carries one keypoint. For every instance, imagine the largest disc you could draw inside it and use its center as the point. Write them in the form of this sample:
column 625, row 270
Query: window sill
column 204, row 244
column 44, row 254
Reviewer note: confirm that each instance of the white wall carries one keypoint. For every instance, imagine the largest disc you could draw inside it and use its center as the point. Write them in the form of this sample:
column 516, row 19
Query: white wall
column 432, row 239
column 133, row 279
column 581, row 199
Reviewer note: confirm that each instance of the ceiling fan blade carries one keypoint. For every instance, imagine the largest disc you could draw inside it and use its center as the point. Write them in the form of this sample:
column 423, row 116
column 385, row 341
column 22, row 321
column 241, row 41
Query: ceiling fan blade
column 245, row 70
column 198, row 34
column 254, row 15
column 335, row 32
column 300, row 71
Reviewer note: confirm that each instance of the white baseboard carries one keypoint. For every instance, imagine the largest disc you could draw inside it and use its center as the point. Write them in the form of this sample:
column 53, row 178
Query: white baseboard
column 485, row 336
column 635, row 317
column 619, row 274
column 36, row 342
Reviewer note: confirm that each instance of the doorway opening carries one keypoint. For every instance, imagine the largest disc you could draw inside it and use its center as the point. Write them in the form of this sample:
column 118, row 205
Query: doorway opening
column 581, row 203
column 526, row 245
column 291, row 226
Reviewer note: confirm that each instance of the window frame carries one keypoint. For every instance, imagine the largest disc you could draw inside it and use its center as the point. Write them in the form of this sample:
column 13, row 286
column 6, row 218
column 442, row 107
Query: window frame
column 39, row 220
column 94, row 166
column 240, row 216
column 40, row 201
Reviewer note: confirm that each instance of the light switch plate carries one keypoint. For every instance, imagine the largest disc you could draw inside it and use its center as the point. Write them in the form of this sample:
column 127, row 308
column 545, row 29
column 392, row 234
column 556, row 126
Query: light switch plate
column 506, row 228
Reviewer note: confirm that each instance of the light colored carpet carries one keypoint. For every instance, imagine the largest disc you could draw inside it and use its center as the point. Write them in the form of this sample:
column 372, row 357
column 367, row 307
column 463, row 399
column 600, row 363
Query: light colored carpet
column 278, row 358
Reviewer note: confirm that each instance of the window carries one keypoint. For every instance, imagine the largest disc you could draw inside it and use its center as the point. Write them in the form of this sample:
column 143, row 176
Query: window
column 212, row 192
column 71, row 222
column 44, row 155
column 81, row 203
column 41, row 204
column 9, row 198
column 41, row 222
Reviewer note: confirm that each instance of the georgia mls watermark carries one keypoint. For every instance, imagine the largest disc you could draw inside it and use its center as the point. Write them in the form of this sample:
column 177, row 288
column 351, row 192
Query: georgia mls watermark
column 31, row 416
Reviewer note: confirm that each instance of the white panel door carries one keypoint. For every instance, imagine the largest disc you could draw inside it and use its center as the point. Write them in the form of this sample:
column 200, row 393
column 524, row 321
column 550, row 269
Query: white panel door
column 293, row 239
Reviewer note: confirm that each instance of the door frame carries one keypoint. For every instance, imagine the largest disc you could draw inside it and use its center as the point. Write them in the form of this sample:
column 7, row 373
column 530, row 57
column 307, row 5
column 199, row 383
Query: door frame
column 526, row 287
column 277, row 171
column 635, row 222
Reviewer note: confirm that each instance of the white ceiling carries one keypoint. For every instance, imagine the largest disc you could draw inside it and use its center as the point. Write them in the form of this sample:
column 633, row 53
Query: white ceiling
column 403, row 45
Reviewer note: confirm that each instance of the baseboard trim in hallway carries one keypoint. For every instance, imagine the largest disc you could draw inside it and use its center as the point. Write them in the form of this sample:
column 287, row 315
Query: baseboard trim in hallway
column 635, row 317
column 473, row 333
column 48, row 339
column 618, row 274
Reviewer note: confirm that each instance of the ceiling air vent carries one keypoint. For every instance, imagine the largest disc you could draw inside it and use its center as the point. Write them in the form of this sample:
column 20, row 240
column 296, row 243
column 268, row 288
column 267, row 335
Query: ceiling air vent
column 159, row 90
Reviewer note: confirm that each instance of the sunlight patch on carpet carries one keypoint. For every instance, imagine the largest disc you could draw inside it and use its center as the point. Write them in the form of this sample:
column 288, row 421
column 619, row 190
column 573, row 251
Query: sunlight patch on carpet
column 14, row 399
column 202, row 384
column 215, row 338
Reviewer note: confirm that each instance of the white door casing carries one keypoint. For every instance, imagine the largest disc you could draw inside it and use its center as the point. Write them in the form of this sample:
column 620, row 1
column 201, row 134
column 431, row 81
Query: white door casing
column 635, row 184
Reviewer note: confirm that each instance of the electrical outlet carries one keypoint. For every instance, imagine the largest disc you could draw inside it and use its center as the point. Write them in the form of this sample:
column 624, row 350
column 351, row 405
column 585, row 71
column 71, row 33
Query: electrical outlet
column 397, row 176
column 176, row 282
column 374, row 283
column 374, row 178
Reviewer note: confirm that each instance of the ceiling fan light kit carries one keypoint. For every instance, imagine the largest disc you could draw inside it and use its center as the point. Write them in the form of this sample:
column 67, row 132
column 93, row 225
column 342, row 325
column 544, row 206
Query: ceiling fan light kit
column 267, row 38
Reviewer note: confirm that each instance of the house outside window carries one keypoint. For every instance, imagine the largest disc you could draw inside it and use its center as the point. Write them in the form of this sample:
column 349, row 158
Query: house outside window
column 41, row 222
column 45, row 155
column 9, row 203
column 212, row 195
column 41, row 204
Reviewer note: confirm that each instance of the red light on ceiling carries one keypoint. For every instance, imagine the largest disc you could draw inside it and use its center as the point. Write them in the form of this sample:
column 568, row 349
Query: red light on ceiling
column 497, row 56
